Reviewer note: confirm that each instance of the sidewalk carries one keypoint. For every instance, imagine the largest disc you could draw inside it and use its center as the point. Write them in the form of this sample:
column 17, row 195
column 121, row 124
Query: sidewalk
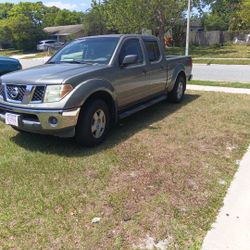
column 231, row 231
column 219, row 89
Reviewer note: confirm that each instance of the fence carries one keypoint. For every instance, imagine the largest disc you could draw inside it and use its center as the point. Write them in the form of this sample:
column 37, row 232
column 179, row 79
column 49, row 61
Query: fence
column 206, row 38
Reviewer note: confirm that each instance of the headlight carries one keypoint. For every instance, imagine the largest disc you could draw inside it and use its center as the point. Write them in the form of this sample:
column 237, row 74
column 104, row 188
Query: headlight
column 54, row 93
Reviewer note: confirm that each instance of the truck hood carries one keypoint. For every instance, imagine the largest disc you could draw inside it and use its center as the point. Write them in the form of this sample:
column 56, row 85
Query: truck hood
column 50, row 73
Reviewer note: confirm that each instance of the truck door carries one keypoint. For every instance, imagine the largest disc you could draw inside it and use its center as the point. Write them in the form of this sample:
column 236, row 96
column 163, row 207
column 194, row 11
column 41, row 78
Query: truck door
column 156, row 69
column 131, row 84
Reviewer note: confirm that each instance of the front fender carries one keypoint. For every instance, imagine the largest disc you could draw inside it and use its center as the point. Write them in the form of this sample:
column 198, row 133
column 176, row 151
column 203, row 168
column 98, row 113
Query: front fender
column 84, row 90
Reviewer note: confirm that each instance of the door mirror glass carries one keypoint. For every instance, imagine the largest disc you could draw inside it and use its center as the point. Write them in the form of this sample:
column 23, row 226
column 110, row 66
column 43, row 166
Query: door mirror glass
column 129, row 59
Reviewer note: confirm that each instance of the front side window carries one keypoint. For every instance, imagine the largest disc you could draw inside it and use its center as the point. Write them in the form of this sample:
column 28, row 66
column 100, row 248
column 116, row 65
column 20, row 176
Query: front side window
column 153, row 50
column 131, row 47
column 89, row 50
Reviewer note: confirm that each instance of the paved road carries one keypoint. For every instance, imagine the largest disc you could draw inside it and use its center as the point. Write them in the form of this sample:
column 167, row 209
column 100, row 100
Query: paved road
column 218, row 72
column 232, row 73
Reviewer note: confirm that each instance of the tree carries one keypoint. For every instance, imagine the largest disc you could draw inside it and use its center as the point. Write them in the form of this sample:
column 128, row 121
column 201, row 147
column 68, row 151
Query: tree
column 66, row 17
column 94, row 20
column 125, row 16
column 243, row 16
column 5, row 34
column 165, row 15
column 4, row 10
column 222, row 15
column 34, row 11
column 24, row 34
column 131, row 16
column 50, row 16
column 23, row 23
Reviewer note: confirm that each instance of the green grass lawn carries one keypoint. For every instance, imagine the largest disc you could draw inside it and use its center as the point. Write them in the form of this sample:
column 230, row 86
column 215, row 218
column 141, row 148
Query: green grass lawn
column 221, row 84
column 163, row 172
column 202, row 54
column 226, row 51
column 10, row 52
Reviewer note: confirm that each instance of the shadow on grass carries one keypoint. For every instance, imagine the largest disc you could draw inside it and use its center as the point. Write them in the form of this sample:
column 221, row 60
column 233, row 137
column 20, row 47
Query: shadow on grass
column 125, row 129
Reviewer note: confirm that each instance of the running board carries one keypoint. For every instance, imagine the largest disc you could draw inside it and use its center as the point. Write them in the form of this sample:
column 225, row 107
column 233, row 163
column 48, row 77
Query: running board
column 141, row 107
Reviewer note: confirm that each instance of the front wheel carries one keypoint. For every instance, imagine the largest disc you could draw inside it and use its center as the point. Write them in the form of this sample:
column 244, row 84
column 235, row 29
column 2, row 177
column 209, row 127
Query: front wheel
column 93, row 123
column 177, row 94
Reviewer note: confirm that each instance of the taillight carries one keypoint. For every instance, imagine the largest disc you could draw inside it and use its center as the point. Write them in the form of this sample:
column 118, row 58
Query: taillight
column 190, row 61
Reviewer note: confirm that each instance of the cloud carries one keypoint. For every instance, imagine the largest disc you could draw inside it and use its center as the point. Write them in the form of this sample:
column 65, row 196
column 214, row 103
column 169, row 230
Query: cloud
column 61, row 5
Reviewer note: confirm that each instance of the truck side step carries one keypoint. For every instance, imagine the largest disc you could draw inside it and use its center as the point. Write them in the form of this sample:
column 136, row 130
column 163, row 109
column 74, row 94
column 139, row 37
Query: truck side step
column 140, row 107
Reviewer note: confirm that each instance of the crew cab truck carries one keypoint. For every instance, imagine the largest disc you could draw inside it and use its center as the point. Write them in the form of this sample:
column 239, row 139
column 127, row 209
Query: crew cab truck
column 91, row 83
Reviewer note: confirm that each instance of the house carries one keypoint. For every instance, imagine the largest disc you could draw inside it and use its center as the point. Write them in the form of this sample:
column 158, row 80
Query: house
column 65, row 33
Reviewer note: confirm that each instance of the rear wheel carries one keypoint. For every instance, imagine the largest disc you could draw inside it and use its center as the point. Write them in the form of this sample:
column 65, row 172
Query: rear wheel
column 93, row 123
column 177, row 94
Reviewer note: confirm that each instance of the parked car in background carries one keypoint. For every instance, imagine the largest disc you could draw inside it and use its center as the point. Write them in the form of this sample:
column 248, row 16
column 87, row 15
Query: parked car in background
column 45, row 45
column 8, row 65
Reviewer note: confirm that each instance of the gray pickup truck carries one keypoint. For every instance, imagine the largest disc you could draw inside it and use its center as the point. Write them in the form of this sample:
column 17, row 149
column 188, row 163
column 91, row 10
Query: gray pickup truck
column 90, row 84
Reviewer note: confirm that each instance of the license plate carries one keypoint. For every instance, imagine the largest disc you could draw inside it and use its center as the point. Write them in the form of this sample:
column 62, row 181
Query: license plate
column 12, row 119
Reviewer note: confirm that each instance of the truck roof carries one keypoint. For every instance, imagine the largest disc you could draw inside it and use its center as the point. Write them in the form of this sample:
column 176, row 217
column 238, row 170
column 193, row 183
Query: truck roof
column 120, row 35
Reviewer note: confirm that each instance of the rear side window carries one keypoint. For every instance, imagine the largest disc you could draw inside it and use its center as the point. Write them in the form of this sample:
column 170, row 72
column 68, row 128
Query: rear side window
column 50, row 42
column 153, row 50
column 131, row 47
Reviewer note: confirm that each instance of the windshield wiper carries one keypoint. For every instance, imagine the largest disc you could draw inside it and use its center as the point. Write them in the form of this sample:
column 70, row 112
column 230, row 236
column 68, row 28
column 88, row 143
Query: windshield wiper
column 76, row 61
column 51, row 62
column 72, row 61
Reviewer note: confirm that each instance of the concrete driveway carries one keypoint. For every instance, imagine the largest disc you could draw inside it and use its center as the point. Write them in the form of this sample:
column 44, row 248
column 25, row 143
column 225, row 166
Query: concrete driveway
column 219, row 72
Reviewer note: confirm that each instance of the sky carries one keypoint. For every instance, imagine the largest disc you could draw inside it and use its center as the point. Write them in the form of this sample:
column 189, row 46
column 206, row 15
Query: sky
column 79, row 5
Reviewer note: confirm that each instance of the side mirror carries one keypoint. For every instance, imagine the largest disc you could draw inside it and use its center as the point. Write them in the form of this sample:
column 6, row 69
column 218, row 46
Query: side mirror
column 129, row 59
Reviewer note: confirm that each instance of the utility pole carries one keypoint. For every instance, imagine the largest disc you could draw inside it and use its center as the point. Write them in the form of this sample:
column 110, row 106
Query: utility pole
column 188, row 27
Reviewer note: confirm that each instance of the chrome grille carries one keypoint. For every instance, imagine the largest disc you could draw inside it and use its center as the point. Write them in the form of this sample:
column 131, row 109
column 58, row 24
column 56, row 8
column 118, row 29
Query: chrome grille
column 38, row 94
column 22, row 93
column 15, row 92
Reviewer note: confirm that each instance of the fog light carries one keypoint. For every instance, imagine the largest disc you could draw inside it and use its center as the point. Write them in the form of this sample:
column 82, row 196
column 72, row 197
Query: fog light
column 53, row 121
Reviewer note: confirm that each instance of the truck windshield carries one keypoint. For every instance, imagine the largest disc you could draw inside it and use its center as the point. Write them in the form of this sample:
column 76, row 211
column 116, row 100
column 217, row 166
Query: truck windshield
column 89, row 50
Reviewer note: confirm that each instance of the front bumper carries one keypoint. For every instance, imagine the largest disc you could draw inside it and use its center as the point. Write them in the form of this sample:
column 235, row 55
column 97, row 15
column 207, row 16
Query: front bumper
column 39, row 120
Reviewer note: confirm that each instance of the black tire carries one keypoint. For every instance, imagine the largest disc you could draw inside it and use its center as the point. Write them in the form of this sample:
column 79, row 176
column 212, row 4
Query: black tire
column 177, row 94
column 84, row 135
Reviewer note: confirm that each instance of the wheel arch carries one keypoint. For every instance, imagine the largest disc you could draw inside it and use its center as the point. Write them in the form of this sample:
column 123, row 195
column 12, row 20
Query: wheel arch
column 178, row 72
column 94, row 88
column 107, row 97
column 183, row 74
